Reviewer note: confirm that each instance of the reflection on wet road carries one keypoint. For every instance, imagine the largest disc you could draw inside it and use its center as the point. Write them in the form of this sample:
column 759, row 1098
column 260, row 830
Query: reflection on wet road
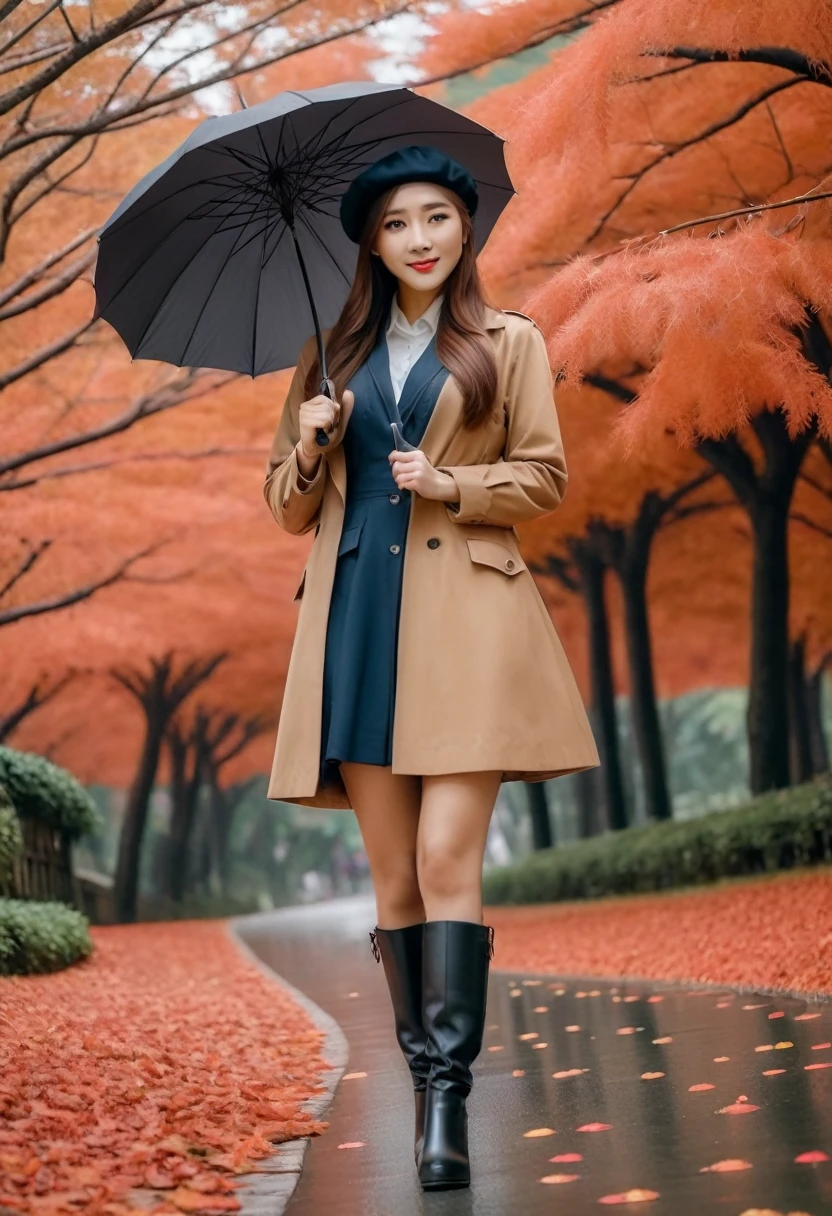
column 667, row 1100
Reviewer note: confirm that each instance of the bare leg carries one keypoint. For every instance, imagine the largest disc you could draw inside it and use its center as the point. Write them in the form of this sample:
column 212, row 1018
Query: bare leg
column 387, row 810
column 453, row 827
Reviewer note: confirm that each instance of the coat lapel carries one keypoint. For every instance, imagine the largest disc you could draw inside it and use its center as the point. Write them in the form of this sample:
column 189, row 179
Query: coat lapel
column 445, row 415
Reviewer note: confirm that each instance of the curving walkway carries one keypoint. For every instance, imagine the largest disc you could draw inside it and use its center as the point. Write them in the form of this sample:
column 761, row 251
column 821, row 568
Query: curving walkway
column 662, row 1099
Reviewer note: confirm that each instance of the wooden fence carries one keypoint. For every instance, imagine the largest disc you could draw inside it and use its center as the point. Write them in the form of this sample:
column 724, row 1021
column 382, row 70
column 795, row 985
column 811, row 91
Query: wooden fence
column 44, row 868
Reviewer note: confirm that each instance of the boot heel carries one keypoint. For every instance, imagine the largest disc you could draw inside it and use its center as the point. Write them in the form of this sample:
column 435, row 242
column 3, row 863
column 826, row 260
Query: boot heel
column 444, row 1162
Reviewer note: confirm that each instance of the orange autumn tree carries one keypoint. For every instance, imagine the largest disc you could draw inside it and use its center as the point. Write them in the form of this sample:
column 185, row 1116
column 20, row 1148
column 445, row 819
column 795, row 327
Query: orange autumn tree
column 716, row 339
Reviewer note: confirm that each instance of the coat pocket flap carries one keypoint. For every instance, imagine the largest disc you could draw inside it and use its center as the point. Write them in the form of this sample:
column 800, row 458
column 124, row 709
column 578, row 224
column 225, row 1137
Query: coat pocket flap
column 492, row 553
column 349, row 538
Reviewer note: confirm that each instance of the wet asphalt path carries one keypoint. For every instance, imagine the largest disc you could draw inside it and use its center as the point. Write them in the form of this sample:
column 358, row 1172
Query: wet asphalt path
column 641, row 1092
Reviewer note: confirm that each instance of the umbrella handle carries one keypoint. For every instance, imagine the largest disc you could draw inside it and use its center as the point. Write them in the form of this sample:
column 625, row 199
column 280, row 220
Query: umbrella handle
column 328, row 390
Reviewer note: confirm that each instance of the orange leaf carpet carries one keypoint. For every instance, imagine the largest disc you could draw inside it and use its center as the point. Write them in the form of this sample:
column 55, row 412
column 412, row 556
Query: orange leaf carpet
column 165, row 1060
column 773, row 932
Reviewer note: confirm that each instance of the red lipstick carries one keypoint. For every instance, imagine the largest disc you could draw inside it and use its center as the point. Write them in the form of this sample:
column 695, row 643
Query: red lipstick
column 423, row 267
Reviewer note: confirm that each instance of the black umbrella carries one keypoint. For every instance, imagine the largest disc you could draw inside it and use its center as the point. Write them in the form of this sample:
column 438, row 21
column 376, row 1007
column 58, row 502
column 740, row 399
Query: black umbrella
column 210, row 259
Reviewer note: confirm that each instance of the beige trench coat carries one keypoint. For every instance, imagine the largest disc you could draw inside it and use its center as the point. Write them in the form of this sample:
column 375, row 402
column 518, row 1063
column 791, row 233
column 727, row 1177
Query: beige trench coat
column 482, row 680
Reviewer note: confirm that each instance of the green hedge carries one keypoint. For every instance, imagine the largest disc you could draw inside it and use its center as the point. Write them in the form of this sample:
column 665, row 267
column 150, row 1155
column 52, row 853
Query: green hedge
column 39, row 937
column 773, row 832
column 41, row 790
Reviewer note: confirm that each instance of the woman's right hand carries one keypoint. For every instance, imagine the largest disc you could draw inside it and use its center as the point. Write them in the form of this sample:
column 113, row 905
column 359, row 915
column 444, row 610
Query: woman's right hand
column 320, row 411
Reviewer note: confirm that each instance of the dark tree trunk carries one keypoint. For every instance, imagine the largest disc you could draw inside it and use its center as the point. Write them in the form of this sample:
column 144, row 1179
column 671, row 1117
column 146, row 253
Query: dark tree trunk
column 766, row 495
column 160, row 694
column 135, row 818
column 814, row 711
column 800, row 743
column 185, row 791
column 222, row 811
column 588, row 796
column 592, row 571
column 542, row 836
column 630, row 555
column 768, row 701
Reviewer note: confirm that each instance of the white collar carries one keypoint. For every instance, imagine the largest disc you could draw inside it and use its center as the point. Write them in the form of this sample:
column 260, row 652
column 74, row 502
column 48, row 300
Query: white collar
column 429, row 318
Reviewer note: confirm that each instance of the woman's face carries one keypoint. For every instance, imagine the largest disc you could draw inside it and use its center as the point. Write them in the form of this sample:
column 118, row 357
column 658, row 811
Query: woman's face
column 420, row 224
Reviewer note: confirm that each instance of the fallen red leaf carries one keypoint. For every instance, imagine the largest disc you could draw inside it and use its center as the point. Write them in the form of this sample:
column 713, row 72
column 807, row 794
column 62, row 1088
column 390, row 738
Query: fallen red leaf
column 729, row 1166
column 636, row 1196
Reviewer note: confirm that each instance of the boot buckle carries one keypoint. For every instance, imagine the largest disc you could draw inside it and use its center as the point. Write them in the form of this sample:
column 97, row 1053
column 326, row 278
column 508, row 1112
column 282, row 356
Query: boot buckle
column 490, row 941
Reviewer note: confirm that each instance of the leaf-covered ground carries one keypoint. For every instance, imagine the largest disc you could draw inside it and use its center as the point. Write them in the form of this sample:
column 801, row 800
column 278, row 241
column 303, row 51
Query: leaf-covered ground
column 166, row 1060
column 768, row 933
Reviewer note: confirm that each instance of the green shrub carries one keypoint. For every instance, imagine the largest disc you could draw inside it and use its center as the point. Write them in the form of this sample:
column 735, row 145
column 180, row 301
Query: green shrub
column 39, row 937
column 41, row 790
column 775, row 831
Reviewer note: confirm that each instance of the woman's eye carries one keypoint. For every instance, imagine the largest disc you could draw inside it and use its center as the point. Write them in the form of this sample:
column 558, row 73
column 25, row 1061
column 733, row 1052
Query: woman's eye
column 440, row 215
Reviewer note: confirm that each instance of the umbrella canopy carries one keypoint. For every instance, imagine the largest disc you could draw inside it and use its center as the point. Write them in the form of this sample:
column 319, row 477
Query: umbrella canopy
column 212, row 259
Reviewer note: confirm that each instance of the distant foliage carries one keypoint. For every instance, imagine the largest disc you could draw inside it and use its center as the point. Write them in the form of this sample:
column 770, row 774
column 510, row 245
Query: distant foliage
column 776, row 831
column 41, row 790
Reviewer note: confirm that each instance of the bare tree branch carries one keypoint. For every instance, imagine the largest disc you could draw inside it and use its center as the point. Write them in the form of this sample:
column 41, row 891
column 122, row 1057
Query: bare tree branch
column 32, row 276
column 10, row 615
column 29, row 561
column 101, row 122
column 34, row 479
column 38, row 695
column 775, row 56
column 811, row 523
column 706, row 133
column 22, row 33
column 167, row 397
column 79, row 50
column 58, row 285
column 39, row 357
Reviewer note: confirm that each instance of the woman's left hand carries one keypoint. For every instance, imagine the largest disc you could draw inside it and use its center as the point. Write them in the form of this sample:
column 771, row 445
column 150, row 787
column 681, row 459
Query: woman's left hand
column 413, row 471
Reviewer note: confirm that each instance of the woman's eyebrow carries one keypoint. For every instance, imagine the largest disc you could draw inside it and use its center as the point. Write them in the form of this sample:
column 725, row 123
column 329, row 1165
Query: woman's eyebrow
column 424, row 207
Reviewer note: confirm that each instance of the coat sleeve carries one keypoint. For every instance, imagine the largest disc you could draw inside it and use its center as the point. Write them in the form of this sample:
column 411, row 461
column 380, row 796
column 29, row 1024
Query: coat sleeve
column 531, row 478
column 293, row 501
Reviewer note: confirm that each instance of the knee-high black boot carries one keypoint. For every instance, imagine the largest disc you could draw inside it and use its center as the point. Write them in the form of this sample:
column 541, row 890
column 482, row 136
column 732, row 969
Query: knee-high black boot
column 456, row 955
column 400, row 952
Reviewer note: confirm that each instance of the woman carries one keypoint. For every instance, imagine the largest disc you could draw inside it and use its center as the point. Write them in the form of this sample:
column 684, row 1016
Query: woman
column 425, row 668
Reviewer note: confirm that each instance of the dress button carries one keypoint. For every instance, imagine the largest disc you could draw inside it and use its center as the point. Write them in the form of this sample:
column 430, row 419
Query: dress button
column 434, row 542
column 509, row 564
column 394, row 498
column 395, row 548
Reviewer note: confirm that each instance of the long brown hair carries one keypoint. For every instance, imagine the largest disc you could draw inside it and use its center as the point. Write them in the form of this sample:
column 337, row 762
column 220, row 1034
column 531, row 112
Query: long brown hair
column 462, row 344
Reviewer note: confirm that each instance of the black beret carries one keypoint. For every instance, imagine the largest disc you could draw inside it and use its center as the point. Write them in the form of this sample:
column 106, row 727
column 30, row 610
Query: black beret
column 416, row 163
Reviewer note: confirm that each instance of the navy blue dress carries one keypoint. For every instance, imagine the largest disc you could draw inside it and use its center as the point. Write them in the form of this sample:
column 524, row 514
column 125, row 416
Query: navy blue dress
column 359, row 686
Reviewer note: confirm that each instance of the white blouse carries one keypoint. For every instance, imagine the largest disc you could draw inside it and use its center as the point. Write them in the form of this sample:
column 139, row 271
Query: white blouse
column 406, row 342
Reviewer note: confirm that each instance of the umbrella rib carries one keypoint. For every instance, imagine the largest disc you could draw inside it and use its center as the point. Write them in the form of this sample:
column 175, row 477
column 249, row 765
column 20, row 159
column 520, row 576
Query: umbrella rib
column 170, row 285
column 257, row 294
column 326, row 250
column 130, row 216
column 172, row 232
column 208, row 297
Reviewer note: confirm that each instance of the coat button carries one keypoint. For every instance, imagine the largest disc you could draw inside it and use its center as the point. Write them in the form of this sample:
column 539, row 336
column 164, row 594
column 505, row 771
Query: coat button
column 434, row 542
column 394, row 498
column 509, row 564
column 395, row 548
